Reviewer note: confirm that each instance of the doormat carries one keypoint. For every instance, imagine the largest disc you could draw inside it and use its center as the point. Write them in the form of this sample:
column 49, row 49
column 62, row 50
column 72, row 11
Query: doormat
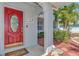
column 19, row 52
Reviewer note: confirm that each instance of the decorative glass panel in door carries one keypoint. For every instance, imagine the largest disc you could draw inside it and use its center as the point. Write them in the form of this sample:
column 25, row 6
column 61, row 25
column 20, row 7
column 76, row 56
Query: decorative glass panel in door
column 14, row 23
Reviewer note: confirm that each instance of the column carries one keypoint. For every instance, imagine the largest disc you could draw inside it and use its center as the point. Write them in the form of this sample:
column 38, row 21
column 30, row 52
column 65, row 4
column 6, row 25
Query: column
column 48, row 25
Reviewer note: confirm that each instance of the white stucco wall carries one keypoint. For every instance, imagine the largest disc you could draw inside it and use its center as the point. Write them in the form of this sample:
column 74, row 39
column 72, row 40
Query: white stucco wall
column 1, row 30
column 30, row 18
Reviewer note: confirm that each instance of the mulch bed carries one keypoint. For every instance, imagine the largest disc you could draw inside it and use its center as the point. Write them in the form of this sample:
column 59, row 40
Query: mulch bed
column 70, row 49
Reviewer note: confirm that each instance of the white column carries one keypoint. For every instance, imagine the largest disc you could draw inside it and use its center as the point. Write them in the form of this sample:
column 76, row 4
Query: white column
column 48, row 25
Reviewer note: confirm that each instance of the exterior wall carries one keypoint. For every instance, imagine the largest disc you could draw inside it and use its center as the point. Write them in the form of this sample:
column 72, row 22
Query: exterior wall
column 30, row 18
column 1, row 30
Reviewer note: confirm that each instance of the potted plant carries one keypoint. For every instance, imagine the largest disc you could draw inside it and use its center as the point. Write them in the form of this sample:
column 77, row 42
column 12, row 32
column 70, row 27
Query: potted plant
column 41, row 38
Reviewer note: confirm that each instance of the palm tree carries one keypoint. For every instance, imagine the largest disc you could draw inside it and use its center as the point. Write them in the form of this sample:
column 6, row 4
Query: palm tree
column 67, row 14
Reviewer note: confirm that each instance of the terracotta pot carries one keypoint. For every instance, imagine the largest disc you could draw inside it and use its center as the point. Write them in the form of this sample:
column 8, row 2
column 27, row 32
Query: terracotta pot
column 41, row 41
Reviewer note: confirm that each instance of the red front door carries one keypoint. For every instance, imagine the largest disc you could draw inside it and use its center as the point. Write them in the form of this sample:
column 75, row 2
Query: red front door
column 13, row 26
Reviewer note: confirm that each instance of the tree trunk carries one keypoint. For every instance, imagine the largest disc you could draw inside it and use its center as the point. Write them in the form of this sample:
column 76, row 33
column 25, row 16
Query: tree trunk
column 65, row 26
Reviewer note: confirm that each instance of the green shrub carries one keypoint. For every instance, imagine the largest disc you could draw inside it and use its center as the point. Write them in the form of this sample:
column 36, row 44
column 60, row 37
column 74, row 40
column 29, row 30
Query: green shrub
column 61, row 35
column 41, row 34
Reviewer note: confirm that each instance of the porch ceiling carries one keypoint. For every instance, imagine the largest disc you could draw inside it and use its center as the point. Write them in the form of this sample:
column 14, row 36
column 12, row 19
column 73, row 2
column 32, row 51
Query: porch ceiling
column 60, row 4
column 56, row 5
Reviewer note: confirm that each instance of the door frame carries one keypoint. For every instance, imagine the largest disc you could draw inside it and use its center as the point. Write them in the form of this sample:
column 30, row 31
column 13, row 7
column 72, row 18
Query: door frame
column 5, row 21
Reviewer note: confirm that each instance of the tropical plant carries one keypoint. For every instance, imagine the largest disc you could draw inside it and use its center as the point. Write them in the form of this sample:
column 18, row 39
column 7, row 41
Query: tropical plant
column 67, row 14
column 61, row 35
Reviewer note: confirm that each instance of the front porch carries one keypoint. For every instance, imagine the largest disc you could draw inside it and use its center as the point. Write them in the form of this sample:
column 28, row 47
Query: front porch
column 30, row 40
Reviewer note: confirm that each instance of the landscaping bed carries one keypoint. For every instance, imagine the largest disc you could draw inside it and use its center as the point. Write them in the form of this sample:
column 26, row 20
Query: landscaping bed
column 70, row 49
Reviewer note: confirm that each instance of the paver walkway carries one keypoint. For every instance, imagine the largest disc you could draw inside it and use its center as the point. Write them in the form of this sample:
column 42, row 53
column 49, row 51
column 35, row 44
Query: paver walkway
column 70, row 49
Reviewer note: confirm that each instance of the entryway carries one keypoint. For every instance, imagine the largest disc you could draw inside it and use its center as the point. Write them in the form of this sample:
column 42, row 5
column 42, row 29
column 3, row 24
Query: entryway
column 41, row 31
column 18, row 26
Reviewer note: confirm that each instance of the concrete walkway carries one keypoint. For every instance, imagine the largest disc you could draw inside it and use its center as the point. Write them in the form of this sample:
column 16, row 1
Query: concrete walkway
column 35, row 51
